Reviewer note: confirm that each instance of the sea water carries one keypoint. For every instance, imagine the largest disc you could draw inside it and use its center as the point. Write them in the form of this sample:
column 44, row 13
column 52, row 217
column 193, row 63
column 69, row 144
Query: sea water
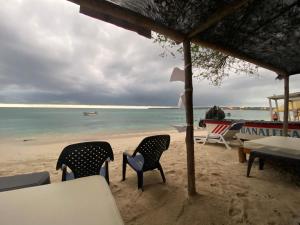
column 31, row 122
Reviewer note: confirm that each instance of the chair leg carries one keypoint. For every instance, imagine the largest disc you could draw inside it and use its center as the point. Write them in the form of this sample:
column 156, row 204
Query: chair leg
column 250, row 162
column 205, row 140
column 224, row 142
column 124, row 167
column 140, row 176
column 106, row 172
column 64, row 173
column 261, row 163
column 161, row 173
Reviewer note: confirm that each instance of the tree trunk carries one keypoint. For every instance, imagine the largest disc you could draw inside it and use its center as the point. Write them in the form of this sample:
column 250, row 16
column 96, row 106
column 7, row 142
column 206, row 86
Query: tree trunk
column 189, row 118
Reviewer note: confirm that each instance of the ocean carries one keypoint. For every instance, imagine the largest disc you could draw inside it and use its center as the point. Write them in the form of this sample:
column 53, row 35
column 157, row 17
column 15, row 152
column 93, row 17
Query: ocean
column 32, row 122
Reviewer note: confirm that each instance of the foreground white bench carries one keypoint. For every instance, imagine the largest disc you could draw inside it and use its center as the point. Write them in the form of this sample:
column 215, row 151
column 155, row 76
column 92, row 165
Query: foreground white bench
column 85, row 200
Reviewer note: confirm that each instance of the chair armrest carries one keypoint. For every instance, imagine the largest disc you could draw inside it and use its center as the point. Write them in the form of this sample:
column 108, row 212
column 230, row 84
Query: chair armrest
column 64, row 172
column 127, row 154
column 109, row 159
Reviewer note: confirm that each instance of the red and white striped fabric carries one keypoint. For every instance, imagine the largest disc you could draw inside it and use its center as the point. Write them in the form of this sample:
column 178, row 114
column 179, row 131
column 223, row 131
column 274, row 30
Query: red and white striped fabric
column 220, row 129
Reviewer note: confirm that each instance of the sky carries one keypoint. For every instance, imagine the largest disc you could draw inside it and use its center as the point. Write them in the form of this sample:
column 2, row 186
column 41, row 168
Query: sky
column 52, row 54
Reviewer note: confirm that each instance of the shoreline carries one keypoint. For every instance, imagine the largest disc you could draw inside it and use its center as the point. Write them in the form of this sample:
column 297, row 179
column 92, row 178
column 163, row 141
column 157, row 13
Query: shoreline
column 12, row 149
column 66, row 136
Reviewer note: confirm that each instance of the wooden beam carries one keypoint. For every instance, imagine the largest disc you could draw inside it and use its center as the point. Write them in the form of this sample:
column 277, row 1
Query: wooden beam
column 286, row 106
column 119, row 13
column 120, row 23
column 271, row 109
column 218, row 16
column 277, row 108
column 236, row 54
column 189, row 139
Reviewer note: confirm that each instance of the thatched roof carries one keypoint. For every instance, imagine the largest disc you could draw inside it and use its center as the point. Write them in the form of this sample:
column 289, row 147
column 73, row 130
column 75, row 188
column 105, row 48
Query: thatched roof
column 264, row 32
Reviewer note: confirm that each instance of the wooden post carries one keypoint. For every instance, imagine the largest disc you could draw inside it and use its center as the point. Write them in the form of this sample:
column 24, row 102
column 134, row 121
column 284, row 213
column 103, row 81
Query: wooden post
column 189, row 139
column 293, row 109
column 271, row 109
column 277, row 108
column 290, row 118
column 286, row 105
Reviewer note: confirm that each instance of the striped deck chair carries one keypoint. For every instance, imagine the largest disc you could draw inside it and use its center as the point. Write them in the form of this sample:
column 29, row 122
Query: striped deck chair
column 221, row 134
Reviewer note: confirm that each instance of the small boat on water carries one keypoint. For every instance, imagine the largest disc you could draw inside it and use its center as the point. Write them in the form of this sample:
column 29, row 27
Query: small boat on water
column 90, row 113
column 258, row 128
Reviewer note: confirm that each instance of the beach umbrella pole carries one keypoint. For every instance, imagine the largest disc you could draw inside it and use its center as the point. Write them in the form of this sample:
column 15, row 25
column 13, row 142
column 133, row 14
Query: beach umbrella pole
column 189, row 139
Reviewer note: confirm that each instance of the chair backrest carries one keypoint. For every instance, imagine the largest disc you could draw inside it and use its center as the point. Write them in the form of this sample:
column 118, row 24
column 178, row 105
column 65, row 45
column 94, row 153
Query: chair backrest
column 151, row 148
column 221, row 129
column 237, row 126
column 233, row 129
column 86, row 158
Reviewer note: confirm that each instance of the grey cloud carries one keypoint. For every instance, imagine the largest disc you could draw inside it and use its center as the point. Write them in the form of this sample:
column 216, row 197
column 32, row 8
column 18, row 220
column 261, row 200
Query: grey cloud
column 49, row 53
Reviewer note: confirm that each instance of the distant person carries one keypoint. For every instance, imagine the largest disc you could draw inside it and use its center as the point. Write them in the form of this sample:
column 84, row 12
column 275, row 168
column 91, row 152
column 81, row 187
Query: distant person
column 215, row 113
column 275, row 116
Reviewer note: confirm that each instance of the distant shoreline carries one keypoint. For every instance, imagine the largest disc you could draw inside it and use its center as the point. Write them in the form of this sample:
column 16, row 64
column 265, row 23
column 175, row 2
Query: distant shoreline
column 66, row 106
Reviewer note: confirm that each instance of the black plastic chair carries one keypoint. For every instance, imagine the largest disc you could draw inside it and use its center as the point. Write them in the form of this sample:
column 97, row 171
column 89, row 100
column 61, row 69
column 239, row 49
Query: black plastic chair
column 146, row 157
column 85, row 159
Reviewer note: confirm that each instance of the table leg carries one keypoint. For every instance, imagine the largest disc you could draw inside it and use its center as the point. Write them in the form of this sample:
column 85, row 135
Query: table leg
column 261, row 163
column 242, row 155
column 250, row 162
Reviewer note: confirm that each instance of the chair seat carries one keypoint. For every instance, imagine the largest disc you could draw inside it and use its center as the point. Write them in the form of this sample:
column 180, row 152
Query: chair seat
column 214, row 136
column 208, row 138
column 70, row 175
column 136, row 162
column 146, row 157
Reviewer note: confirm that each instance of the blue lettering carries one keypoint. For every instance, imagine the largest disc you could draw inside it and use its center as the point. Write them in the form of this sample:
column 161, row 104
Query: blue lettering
column 254, row 130
column 295, row 134
column 248, row 130
column 261, row 132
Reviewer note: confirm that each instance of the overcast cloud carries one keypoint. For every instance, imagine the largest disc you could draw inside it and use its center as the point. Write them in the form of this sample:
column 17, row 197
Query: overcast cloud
column 49, row 53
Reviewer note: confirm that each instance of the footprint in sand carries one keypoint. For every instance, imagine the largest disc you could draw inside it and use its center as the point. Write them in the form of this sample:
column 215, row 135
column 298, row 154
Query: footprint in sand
column 237, row 211
column 234, row 210
column 242, row 194
column 171, row 172
column 216, row 174
column 213, row 185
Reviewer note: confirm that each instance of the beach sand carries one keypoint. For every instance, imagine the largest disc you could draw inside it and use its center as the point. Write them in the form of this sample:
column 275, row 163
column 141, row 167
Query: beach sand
column 225, row 194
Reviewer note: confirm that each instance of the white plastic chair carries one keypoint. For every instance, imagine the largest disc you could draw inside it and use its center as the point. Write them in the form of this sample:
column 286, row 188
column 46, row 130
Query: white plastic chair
column 221, row 134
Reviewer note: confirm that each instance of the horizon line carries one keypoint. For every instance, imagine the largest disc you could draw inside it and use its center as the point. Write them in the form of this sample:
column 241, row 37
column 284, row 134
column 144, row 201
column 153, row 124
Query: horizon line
column 86, row 106
column 74, row 106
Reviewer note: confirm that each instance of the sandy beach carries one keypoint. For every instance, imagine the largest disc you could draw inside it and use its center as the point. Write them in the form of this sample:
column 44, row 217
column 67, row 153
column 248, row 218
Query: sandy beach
column 225, row 194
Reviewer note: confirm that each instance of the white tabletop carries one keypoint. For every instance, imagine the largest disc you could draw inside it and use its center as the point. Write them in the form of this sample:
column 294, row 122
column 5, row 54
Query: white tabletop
column 78, row 202
column 276, row 143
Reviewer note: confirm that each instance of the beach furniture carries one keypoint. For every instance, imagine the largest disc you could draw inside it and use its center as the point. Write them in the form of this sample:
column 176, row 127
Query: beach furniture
column 146, row 157
column 85, row 159
column 273, row 148
column 81, row 201
column 221, row 134
column 23, row 181
column 282, row 155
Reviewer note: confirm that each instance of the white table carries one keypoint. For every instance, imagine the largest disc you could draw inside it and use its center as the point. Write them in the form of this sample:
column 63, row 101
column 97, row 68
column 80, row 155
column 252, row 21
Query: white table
column 84, row 201
column 276, row 143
